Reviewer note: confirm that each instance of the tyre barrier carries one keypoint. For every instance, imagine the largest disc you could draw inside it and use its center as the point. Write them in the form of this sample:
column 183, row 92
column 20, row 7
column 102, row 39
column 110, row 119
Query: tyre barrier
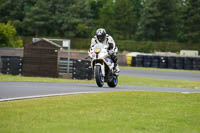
column 155, row 61
column 179, row 62
column 196, row 63
column 172, row 62
column 163, row 62
column 11, row 65
column 133, row 61
column 188, row 63
column 147, row 61
column 140, row 61
column 82, row 70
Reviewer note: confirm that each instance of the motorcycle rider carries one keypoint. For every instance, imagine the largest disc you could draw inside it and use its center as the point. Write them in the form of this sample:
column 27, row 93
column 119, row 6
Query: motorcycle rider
column 106, row 39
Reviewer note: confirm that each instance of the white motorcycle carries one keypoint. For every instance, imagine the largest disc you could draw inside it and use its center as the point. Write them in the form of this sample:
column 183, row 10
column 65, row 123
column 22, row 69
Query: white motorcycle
column 103, row 66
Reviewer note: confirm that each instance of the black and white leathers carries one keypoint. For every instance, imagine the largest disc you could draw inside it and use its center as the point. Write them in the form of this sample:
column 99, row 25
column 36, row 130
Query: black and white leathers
column 112, row 48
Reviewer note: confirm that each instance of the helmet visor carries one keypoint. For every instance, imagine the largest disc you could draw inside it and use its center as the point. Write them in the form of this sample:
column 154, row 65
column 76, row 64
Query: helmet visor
column 101, row 38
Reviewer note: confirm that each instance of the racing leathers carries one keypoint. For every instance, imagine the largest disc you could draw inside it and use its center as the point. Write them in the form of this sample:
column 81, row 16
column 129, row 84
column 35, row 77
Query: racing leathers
column 112, row 50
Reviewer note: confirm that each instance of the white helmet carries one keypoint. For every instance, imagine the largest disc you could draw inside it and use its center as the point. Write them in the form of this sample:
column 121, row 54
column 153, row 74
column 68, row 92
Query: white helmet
column 101, row 34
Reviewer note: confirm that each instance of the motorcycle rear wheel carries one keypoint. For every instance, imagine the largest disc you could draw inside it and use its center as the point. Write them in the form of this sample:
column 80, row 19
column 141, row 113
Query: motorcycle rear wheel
column 99, row 76
column 113, row 82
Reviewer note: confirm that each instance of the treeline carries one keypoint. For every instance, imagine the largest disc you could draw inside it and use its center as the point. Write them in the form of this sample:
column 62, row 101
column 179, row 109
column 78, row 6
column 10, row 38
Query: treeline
column 142, row 20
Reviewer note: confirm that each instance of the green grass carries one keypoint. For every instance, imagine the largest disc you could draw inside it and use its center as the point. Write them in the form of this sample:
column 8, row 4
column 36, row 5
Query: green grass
column 40, row 79
column 110, row 112
column 123, row 80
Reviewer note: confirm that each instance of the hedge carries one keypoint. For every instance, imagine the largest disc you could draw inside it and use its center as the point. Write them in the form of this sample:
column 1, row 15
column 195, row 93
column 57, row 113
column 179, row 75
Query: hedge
column 133, row 46
column 142, row 46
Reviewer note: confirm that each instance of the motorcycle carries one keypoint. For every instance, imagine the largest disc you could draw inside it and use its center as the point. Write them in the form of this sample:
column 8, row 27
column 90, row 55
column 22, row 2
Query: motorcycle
column 103, row 66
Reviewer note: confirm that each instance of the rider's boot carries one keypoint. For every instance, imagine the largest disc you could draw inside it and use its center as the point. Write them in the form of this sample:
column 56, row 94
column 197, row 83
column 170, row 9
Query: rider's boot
column 116, row 69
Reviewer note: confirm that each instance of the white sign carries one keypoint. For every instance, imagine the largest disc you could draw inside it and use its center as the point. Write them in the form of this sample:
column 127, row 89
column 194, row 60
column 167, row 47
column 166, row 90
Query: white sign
column 66, row 43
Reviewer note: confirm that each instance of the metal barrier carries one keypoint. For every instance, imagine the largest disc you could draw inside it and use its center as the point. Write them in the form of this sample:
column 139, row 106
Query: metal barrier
column 63, row 65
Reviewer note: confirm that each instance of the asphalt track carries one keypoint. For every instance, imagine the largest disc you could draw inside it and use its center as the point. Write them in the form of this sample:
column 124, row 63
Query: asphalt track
column 26, row 90
column 173, row 75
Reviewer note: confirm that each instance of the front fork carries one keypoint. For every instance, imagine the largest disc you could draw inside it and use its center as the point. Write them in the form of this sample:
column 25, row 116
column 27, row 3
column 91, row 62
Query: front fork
column 102, row 68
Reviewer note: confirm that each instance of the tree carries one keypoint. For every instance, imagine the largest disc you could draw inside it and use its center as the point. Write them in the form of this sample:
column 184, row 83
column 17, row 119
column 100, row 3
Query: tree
column 158, row 20
column 37, row 19
column 78, row 19
column 95, row 6
column 106, row 17
column 191, row 22
column 8, row 36
column 124, row 19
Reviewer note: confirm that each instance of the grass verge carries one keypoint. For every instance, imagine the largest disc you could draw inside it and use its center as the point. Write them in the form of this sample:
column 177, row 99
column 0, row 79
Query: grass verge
column 111, row 112
column 123, row 80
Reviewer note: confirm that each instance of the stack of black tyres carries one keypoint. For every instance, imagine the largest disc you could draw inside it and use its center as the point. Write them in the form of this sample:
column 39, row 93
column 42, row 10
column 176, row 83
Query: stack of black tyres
column 147, row 60
column 188, row 63
column 179, row 62
column 140, row 61
column 196, row 63
column 172, row 62
column 82, row 70
column 155, row 61
column 163, row 62
column 12, row 65
column 133, row 61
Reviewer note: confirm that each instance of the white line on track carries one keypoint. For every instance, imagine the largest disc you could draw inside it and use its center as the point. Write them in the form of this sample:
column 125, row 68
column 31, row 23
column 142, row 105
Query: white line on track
column 49, row 95
column 62, row 94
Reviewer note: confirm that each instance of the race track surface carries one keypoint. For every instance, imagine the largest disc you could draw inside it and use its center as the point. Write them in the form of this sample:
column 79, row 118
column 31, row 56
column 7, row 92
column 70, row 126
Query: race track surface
column 173, row 75
column 26, row 90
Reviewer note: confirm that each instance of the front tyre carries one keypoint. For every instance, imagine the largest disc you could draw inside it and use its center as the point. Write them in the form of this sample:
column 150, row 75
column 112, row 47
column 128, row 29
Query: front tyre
column 113, row 82
column 99, row 76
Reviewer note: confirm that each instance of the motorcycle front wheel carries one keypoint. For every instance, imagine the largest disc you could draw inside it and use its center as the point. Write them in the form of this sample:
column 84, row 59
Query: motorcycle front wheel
column 99, row 76
column 113, row 82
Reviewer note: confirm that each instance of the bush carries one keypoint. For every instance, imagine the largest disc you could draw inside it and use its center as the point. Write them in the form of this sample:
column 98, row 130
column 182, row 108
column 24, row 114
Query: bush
column 8, row 36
